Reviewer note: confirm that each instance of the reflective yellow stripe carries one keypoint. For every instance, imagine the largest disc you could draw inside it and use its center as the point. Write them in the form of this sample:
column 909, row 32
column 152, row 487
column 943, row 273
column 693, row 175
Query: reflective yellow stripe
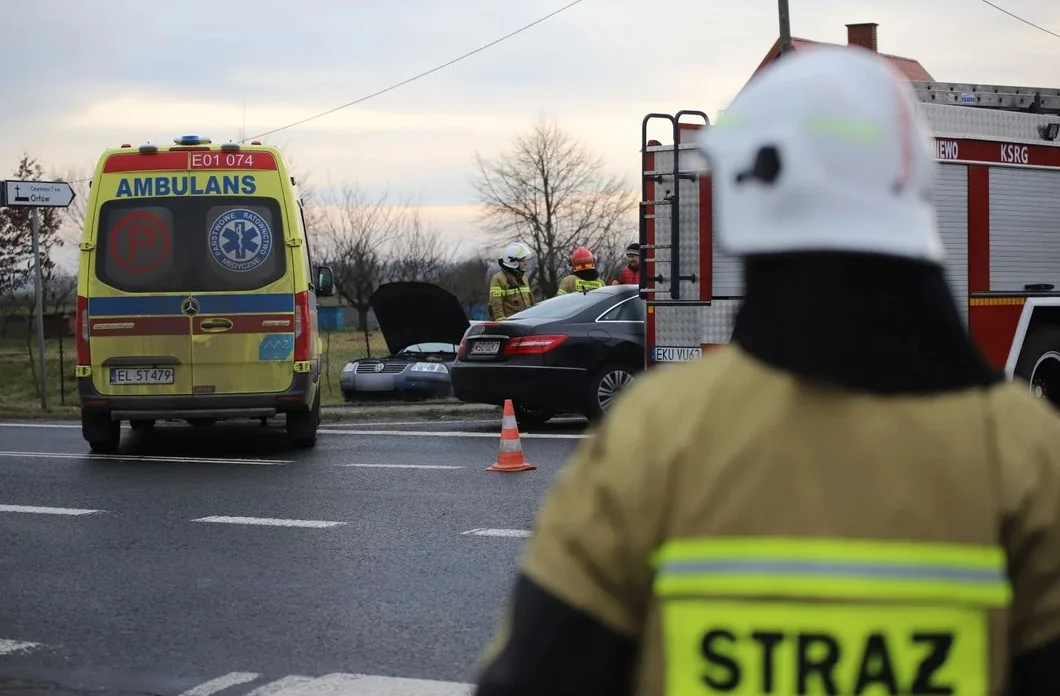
column 516, row 291
column 833, row 569
column 497, row 292
column 560, row 292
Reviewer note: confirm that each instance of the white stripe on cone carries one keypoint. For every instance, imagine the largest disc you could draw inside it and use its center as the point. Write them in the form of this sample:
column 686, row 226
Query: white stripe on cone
column 511, row 446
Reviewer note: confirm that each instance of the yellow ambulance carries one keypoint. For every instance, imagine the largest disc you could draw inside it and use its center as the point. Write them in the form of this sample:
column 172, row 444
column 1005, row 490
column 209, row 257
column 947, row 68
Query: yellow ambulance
column 197, row 292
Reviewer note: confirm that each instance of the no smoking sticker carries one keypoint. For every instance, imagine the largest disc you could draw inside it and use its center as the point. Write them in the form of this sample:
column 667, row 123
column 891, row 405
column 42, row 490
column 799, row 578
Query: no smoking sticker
column 140, row 242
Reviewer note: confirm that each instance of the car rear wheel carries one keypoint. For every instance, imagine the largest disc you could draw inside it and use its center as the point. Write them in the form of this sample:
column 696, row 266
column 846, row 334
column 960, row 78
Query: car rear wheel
column 302, row 425
column 604, row 388
column 102, row 434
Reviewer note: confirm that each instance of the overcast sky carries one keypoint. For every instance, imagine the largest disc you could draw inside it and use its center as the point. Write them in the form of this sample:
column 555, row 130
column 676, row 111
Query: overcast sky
column 104, row 72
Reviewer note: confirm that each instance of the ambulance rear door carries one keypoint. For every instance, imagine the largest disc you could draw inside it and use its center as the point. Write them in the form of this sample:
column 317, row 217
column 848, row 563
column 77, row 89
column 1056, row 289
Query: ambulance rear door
column 241, row 274
column 139, row 339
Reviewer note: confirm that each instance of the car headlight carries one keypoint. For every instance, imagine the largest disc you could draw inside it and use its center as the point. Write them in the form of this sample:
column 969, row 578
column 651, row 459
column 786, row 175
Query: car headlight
column 430, row 367
column 349, row 367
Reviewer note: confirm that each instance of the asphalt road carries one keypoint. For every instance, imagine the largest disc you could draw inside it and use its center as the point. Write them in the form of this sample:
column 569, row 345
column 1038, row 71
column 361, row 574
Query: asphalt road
column 217, row 561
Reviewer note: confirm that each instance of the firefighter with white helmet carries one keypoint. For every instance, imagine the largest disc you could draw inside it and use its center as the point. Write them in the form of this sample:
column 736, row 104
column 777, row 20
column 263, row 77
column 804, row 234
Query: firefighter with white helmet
column 845, row 498
column 584, row 276
column 509, row 288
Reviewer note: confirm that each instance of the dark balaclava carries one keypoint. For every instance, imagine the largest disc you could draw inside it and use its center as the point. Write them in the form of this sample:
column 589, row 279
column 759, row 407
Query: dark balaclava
column 866, row 322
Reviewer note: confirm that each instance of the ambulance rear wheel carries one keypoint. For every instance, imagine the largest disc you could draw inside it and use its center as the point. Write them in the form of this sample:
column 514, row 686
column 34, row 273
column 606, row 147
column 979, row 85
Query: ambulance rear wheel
column 302, row 425
column 102, row 434
column 1039, row 363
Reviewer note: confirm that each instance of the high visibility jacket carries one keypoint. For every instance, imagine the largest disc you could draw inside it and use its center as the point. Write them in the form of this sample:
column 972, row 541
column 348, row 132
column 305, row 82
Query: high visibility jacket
column 748, row 532
column 573, row 283
column 509, row 293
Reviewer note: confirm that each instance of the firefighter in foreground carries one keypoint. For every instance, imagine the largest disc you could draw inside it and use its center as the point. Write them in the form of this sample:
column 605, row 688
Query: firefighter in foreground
column 630, row 273
column 509, row 288
column 585, row 276
column 845, row 499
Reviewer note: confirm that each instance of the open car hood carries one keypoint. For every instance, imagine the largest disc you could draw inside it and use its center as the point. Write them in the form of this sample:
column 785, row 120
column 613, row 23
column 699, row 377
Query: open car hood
column 411, row 312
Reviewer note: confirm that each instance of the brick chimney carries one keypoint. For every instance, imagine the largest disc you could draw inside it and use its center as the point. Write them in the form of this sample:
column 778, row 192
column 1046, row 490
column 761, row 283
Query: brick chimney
column 863, row 35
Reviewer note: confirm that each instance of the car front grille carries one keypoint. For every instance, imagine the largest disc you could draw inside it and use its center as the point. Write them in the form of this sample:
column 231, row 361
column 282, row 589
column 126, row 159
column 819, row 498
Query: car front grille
column 389, row 368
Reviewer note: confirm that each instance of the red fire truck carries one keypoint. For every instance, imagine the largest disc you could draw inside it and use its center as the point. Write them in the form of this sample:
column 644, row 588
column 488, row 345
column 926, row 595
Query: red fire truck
column 998, row 201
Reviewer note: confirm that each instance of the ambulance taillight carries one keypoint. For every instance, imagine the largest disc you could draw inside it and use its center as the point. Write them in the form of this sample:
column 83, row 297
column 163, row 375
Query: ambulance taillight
column 303, row 330
column 84, row 357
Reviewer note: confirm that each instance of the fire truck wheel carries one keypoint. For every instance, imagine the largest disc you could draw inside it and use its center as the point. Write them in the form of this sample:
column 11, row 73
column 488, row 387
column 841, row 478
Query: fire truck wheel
column 1039, row 363
column 605, row 386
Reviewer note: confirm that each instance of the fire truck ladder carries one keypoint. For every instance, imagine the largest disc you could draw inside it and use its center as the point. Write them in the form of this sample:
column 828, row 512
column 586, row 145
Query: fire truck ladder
column 671, row 197
column 1034, row 100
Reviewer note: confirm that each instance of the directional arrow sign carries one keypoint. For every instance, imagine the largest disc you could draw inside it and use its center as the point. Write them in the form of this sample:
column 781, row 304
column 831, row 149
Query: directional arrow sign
column 38, row 194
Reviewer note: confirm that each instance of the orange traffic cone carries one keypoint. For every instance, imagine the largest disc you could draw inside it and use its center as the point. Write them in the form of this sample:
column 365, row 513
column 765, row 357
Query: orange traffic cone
column 510, row 457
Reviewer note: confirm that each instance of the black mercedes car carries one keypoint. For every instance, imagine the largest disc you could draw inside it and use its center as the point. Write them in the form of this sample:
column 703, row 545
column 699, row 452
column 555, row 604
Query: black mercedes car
column 571, row 353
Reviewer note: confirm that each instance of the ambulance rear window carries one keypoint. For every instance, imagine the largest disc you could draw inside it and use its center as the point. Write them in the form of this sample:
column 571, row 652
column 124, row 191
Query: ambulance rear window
column 196, row 244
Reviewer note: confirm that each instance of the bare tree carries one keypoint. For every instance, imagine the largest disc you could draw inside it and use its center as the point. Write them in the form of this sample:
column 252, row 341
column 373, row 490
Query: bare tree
column 359, row 231
column 59, row 288
column 417, row 251
column 553, row 194
column 77, row 211
column 467, row 279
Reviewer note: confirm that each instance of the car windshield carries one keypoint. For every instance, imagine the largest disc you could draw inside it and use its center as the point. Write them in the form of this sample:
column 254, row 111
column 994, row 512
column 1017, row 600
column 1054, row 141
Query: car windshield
column 190, row 243
column 427, row 348
column 561, row 307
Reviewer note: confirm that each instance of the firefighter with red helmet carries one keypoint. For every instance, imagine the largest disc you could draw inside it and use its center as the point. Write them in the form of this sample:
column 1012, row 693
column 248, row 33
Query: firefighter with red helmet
column 630, row 273
column 585, row 276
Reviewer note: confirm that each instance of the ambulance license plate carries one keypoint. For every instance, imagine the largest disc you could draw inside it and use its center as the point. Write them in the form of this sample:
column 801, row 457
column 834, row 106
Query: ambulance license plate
column 485, row 347
column 141, row 375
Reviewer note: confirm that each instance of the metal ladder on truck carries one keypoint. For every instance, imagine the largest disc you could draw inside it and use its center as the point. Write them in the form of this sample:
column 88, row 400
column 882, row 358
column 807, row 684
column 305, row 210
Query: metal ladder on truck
column 1032, row 100
column 649, row 207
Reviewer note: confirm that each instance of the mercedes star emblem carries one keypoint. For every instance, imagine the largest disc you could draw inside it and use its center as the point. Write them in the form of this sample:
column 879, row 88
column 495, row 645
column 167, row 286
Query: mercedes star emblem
column 190, row 307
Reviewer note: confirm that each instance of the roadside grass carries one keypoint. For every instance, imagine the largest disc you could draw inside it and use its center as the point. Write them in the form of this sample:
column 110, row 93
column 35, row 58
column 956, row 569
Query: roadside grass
column 18, row 369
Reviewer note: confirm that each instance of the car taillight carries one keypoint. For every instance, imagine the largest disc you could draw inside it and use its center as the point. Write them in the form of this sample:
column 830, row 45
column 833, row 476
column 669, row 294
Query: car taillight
column 461, row 350
column 84, row 356
column 303, row 338
column 530, row 345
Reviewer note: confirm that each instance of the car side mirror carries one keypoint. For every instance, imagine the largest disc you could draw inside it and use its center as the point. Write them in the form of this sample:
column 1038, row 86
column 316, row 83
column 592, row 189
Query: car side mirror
column 325, row 282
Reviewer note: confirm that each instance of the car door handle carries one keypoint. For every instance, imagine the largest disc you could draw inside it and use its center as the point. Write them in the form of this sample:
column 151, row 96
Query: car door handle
column 215, row 325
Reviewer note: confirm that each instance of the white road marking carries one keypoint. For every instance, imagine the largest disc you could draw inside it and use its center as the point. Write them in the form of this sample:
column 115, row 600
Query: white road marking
column 401, row 466
column 521, row 533
column 410, row 433
column 221, row 683
column 269, row 522
column 47, row 510
column 456, row 433
column 146, row 458
column 10, row 647
column 340, row 684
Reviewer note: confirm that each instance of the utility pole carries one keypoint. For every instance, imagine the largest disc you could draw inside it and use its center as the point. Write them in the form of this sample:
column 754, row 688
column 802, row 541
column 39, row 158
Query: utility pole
column 785, row 26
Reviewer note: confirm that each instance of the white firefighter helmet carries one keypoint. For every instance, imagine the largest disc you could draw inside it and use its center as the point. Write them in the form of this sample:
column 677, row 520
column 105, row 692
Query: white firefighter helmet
column 514, row 253
column 824, row 151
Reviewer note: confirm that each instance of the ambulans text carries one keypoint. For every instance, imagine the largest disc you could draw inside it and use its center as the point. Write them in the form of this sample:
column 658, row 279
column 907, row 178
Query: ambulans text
column 144, row 186
column 816, row 658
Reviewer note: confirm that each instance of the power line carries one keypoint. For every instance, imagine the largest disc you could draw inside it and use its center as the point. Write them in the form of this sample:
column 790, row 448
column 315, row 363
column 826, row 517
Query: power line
column 422, row 74
column 1017, row 17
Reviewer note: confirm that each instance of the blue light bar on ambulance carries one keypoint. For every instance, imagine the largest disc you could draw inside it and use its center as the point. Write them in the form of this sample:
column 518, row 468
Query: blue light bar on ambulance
column 191, row 140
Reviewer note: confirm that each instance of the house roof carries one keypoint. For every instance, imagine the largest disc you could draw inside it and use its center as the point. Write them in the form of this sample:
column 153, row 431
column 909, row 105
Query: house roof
column 912, row 69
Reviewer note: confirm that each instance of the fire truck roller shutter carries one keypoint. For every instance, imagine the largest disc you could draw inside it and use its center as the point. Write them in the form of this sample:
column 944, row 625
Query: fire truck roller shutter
column 951, row 201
